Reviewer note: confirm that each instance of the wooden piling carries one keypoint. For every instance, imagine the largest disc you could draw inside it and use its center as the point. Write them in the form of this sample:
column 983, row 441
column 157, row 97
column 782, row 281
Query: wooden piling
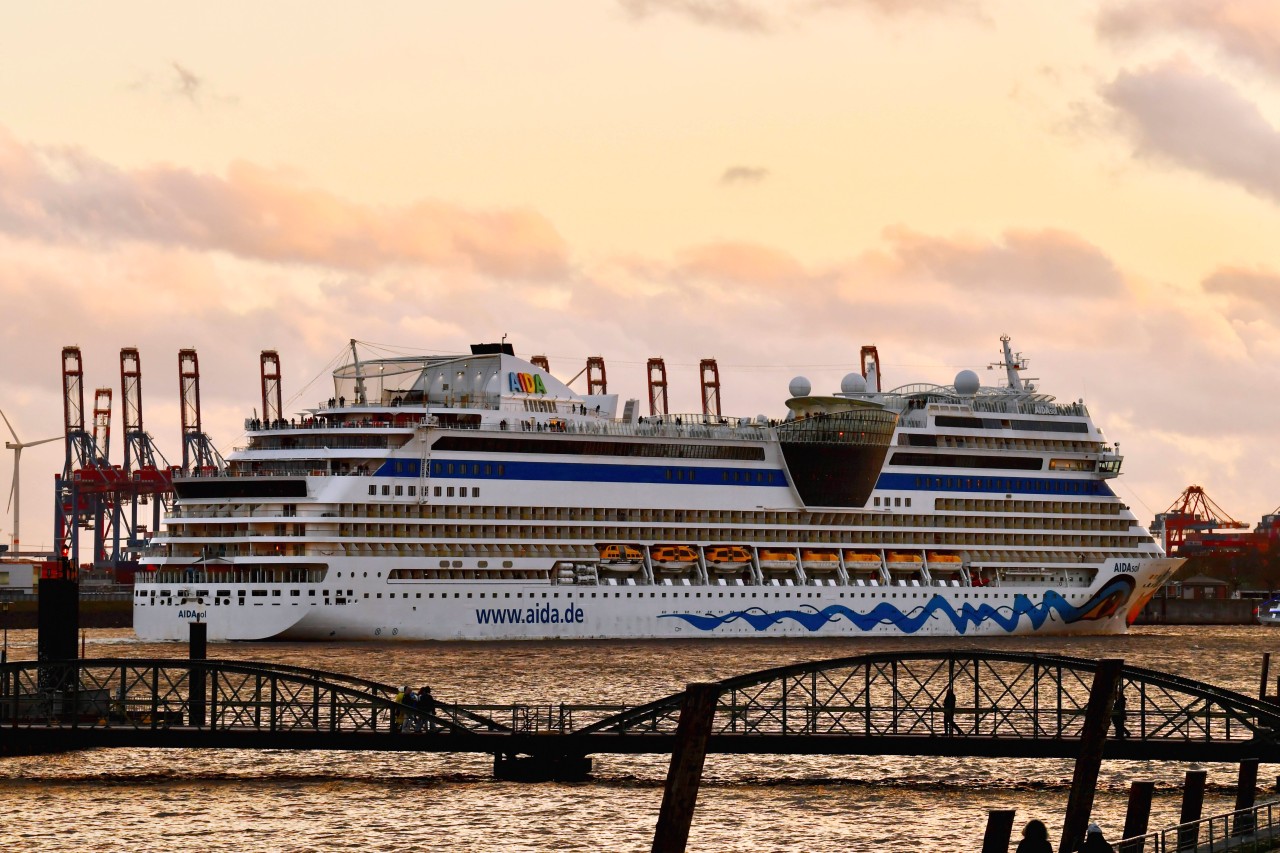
column 1084, row 781
column 697, row 713
column 1138, row 816
column 197, row 650
column 999, row 831
column 1266, row 669
column 1246, row 793
column 1192, row 808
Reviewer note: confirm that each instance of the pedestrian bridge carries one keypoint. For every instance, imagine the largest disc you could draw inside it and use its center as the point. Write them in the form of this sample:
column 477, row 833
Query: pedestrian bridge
column 1003, row 704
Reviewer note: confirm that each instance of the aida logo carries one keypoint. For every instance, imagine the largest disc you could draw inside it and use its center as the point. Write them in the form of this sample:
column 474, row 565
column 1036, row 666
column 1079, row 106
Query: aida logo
column 527, row 383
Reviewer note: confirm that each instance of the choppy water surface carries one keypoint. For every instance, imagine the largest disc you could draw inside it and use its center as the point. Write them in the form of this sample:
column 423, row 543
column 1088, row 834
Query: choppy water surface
column 233, row 800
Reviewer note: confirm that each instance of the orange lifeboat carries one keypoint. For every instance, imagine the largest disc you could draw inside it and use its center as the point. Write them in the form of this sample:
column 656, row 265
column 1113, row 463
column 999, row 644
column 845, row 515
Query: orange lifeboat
column 777, row 558
column 620, row 554
column 820, row 560
column 728, row 554
column 673, row 556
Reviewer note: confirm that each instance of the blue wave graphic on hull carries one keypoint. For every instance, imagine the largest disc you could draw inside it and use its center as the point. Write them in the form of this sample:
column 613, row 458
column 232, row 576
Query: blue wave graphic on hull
column 1099, row 606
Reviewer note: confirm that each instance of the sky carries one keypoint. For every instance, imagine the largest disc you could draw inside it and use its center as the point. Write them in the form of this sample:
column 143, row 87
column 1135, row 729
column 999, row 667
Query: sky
column 770, row 183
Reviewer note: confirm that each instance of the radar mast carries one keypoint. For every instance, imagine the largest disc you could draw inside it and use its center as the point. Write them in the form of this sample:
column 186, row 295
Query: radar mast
column 1012, row 363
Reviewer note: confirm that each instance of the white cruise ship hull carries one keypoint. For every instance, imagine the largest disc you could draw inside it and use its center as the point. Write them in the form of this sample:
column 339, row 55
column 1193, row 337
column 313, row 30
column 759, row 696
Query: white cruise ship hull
column 478, row 498
column 485, row 611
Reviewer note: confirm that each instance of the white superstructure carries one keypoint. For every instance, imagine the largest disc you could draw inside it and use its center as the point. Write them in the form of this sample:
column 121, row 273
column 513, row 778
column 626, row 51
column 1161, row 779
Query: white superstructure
column 477, row 497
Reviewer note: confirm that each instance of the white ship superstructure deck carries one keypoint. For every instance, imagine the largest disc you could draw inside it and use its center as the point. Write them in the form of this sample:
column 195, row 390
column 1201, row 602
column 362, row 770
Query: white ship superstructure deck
column 477, row 497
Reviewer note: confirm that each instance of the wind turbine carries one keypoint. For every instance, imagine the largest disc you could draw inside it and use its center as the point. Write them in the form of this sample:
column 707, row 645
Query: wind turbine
column 15, row 494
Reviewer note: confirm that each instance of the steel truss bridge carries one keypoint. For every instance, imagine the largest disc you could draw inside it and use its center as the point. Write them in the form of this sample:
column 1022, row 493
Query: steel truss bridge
column 1006, row 704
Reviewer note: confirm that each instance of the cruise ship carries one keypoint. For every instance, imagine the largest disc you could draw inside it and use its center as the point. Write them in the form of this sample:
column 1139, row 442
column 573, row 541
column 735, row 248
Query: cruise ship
column 477, row 497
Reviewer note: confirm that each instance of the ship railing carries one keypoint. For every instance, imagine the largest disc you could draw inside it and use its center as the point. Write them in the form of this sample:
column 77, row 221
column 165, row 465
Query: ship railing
column 669, row 426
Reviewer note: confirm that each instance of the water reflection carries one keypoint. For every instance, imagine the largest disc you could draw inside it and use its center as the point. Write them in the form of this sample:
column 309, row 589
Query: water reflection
column 230, row 800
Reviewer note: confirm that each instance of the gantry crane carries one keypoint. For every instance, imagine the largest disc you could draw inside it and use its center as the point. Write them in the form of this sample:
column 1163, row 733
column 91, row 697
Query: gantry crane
column 709, row 378
column 150, row 479
column 657, row 369
column 85, row 493
column 272, row 408
column 199, row 456
column 1189, row 522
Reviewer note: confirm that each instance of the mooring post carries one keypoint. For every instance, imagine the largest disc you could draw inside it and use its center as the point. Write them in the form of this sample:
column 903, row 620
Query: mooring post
column 1084, row 782
column 57, row 629
column 1192, row 807
column 999, row 830
column 1138, row 816
column 1246, row 792
column 1266, row 668
column 197, row 650
column 685, row 773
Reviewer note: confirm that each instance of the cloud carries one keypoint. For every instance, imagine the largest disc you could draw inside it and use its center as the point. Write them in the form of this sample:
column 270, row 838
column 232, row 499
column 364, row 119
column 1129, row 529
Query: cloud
column 254, row 213
column 1254, row 292
column 187, row 84
column 756, row 16
column 1175, row 113
column 741, row 264
column 736, row 15
column 743, row 175
column 1239, row 28
column 1019, row 263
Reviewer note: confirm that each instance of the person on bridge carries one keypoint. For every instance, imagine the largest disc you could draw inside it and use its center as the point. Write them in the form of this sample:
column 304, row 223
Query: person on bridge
column 1094, row 842
column 397, row 716
column 427, row 704
column 1118, row 715
column 1035, row 838
column 949, row 712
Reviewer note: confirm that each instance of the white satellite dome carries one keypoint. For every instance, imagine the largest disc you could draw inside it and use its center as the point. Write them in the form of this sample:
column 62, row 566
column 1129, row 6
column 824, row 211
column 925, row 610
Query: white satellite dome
column 853, row 383
column 800, row 387
column 967, row 383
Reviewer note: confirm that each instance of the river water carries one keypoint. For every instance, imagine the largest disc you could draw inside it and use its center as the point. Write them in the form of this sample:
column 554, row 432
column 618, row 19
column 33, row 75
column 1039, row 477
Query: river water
column 283, row 801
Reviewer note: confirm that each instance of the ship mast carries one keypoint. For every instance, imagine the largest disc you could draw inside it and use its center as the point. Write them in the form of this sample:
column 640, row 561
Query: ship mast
column 1012, row 363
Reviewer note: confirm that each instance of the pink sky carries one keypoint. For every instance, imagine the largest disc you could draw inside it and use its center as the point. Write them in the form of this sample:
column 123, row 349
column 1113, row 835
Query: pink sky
column 772, row 184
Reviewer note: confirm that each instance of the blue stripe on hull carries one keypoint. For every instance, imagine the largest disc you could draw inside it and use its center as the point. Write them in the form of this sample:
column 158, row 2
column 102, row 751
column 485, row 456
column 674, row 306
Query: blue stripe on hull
column 1009, row 485
column 582, row 472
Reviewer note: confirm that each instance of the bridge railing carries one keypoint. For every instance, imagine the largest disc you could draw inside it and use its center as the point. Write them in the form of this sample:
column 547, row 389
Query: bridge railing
column 1252, row 829
column 213, row 695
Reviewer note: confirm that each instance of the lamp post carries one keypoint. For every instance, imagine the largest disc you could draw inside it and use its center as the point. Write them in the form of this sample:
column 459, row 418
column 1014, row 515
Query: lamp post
column 4, row 652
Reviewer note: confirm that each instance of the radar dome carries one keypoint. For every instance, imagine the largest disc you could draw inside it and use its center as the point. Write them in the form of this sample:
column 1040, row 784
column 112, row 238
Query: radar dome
column 800, row 387
column 853, row 383
column 967, row 383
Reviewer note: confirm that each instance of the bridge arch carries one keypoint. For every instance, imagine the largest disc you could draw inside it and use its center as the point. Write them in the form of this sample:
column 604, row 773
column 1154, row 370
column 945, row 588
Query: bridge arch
column 216, row 694
column 996, row 694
